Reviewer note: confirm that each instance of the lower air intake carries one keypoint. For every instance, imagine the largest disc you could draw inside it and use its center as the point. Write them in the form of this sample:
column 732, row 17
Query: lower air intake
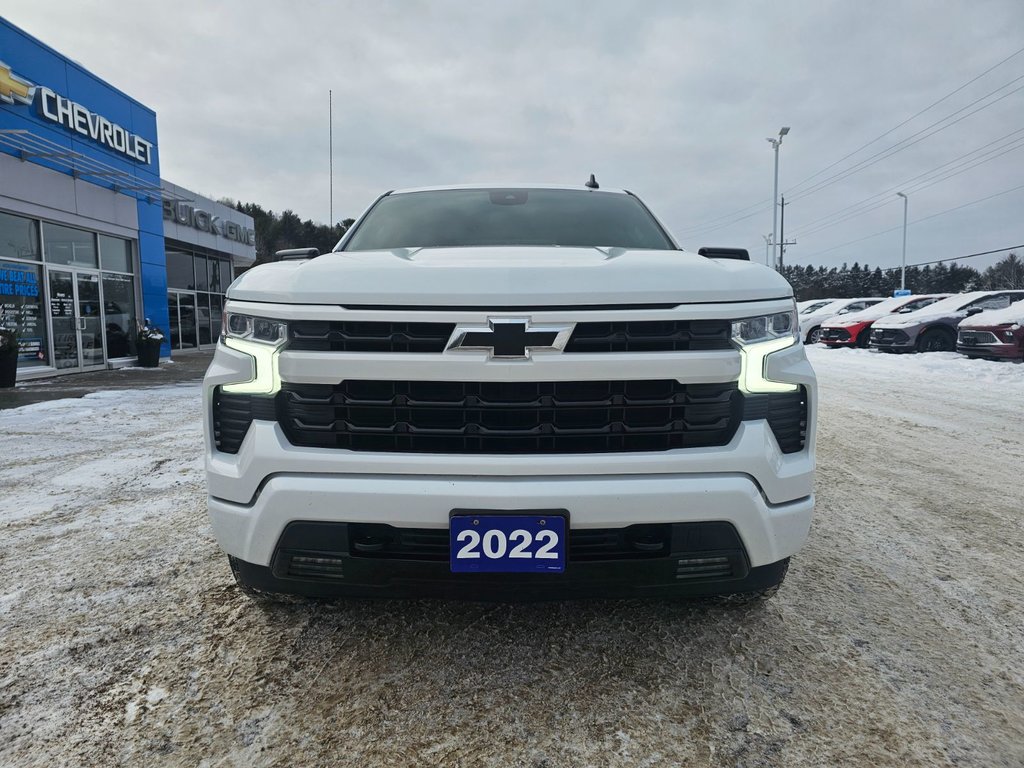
column 703, row 568
column 316, row 566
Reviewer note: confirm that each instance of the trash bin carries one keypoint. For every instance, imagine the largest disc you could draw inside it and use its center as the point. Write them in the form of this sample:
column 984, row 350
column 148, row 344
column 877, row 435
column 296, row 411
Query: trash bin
column 149, row 340
column 149, row 353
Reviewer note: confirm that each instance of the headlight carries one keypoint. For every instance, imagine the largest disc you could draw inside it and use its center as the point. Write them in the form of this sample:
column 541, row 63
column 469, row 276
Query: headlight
column 260, row 329
column 753, row 330
column 758, row 337
column 261, row 339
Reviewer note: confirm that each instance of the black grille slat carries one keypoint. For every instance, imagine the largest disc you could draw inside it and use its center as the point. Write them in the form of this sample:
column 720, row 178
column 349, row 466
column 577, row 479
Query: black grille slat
column 510, row 417
column 786, row 413
column 232, row 415
column 357, row 336
column 427, row 338
column 650, row 336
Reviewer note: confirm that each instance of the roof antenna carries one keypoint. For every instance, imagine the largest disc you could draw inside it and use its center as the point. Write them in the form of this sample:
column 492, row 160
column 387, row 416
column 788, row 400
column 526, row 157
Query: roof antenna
column 592, row 184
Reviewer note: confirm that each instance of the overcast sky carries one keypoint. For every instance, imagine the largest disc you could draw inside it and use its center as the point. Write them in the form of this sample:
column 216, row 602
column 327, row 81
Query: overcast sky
column 670, row 100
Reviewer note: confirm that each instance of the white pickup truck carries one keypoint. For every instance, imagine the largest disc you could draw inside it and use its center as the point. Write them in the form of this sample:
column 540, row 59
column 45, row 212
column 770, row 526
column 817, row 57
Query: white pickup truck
column 505, row 393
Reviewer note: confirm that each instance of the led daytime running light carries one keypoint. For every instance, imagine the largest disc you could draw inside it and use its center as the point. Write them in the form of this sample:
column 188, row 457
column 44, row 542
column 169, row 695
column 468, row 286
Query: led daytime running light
column 266, row 379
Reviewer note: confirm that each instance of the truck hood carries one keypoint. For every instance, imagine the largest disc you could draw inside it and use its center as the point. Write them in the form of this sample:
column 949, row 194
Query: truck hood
column 509, row 276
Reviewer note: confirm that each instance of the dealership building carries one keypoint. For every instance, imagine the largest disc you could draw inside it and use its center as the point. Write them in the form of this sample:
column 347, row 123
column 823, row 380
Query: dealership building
column 92, row 239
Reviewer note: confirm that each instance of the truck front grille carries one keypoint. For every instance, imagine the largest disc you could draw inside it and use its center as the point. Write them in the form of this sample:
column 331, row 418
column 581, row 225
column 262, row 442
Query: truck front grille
column 625, row 336
column 510, row 417
column 561, row 417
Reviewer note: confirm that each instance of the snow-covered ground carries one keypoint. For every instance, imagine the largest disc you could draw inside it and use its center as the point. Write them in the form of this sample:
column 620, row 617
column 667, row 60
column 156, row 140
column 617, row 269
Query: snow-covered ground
column 898, row 638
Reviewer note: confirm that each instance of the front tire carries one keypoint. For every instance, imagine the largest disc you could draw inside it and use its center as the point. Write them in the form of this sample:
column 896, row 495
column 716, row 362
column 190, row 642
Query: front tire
column 814, row 336
column 936, row 340
column 863, row 339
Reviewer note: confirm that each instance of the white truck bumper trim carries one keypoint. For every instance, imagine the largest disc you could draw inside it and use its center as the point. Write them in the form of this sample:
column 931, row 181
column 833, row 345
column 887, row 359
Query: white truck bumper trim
column 769, row 532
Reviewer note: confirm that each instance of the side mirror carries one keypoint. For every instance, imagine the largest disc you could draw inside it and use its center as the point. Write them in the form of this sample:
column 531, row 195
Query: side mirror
column 974, row 311
column 297, row 254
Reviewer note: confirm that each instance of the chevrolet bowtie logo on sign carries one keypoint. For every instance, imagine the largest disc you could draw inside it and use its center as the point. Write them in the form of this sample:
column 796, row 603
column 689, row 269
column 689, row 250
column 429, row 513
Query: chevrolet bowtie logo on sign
column 13, row 89
column 510, row 338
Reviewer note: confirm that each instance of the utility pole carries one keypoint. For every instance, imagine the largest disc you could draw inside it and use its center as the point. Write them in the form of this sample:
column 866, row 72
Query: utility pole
column 776, row 143
column 330, row 150
column 903, row 265
column 782, row 233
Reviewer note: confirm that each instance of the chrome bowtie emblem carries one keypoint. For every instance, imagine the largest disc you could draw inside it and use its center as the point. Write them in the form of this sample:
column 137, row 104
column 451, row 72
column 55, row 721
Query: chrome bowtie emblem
column 510, row 337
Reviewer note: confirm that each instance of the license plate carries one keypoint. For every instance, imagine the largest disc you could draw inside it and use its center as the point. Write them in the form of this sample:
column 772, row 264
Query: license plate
column 521, row 543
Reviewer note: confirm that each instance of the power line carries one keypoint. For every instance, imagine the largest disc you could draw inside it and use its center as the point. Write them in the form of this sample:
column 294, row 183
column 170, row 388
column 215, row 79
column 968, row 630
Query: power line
column 708, row 222
column 968, row 256
column 896, row 148
column 701, row 231
column 720, row 222
column 910, row 188
column 906, row 184
column 909, row 119
column 916, row 221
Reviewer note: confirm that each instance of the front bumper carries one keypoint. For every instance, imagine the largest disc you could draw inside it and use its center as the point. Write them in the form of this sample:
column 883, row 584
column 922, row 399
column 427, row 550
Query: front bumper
column 1008, row 351
column 893, row 339
column 837, row 337
column 990, row 343
column 768, row 532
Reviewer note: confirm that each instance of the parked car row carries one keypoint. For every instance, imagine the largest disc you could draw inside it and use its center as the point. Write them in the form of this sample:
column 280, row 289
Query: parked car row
column 986, row 324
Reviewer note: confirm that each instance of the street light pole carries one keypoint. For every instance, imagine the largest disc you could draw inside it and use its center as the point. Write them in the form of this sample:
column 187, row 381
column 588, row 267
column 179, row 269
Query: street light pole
column 776, row 143
column 903, row 267
column 767, row 249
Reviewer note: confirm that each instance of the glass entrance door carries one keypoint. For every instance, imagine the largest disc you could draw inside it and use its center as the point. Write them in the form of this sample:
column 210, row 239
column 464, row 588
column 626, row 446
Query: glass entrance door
column 181, row 308
column 90, row 319
column 76, row 318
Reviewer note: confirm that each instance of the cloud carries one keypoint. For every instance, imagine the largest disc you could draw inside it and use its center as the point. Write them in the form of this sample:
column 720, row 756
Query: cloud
column 671, row 100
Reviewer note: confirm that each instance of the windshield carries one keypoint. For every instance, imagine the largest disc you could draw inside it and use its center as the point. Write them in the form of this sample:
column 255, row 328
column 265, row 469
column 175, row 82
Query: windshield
column 953, row 303
column 483, row 217
column 816, row 306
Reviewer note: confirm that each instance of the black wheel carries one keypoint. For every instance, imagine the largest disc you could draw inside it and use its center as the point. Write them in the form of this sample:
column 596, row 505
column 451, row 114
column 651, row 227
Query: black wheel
column 814, row 336
column 261, row 596
column 757, row 595
column 863, row 339
column 936, row 340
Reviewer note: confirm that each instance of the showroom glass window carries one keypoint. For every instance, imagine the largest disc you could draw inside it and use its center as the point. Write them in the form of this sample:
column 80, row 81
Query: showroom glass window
column 196, row 281
column 21, row 289
column 179, row 270
column 120, row 314
column 70, row 247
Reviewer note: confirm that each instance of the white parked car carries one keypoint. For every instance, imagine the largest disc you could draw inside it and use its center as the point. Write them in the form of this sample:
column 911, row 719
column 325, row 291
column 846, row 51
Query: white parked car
column 813, row 316
column 508, row 393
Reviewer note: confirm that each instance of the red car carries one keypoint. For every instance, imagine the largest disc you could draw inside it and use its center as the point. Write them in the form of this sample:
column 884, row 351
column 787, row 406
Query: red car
column 854, row 329
column 995, row 335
